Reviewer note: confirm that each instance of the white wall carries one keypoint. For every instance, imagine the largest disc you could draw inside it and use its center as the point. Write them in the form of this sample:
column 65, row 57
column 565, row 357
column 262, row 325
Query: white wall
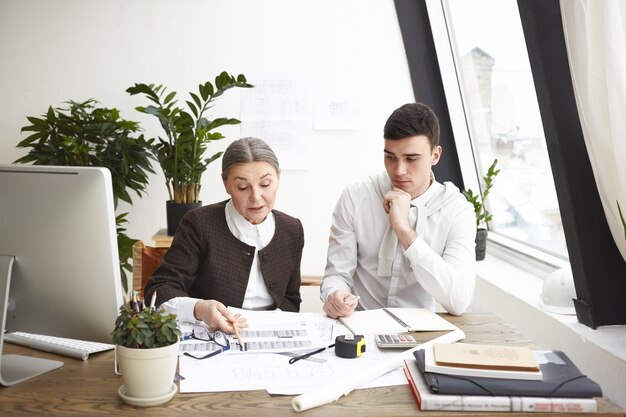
column 55, row 50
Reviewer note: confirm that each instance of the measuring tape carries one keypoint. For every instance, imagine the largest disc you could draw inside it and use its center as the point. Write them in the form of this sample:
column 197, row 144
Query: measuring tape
column 349, row 346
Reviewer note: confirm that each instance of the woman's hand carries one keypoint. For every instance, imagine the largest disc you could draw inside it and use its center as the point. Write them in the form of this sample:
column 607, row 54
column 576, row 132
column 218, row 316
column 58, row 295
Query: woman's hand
column 218, row 317
column 339, row 304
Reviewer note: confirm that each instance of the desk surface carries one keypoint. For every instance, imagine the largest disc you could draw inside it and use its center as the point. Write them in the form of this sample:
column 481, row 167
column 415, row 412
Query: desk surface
column 90, row 388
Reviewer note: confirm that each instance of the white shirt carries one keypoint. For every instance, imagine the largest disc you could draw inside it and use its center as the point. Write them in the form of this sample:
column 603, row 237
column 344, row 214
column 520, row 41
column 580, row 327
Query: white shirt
column 258, row 235
column 438, row 266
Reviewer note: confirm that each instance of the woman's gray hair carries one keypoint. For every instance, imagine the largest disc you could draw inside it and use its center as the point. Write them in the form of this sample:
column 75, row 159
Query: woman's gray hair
column 246, row 150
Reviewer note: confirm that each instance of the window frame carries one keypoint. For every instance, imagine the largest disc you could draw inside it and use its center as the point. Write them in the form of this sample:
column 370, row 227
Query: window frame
column 596, row 263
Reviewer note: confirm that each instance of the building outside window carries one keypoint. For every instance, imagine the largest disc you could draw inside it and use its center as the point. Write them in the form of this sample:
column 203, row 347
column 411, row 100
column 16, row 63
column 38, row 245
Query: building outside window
column 503, row 120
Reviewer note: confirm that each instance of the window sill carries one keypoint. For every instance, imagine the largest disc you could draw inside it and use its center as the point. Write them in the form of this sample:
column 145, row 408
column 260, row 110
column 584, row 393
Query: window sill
column 513, row 294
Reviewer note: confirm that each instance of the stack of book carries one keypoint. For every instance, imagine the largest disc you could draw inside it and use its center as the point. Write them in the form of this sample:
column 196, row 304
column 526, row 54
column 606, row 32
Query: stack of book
column 467, row 377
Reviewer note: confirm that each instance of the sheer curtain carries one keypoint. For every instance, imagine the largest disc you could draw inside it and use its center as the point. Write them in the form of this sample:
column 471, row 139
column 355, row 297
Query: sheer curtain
column 595, row 36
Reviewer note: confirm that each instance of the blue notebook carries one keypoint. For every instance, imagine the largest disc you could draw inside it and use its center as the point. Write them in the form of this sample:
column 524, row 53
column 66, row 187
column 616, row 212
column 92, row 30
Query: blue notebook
column 561, row 378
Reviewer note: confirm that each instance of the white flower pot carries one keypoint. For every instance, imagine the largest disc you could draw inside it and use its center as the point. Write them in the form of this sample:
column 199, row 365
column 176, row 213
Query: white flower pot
column 148, row 373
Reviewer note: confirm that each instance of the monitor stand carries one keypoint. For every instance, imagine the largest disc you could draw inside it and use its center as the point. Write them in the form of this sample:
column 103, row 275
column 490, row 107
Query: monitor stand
column 16, row 368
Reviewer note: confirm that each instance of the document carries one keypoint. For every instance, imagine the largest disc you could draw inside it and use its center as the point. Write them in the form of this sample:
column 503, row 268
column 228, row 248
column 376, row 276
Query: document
column 270, row 369
column 241, row 371
column 267, row 332
column 274, row 373
column 394, row 321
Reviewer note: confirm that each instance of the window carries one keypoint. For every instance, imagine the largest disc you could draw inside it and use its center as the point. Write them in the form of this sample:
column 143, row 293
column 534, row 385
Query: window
column 498, row 101
column 433, row 46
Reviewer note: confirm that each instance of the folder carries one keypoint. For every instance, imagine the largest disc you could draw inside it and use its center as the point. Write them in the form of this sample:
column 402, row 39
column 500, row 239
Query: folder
column 561, row 378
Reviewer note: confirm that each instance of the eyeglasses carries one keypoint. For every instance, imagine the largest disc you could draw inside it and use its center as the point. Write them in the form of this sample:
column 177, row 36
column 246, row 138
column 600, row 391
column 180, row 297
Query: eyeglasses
column 202, row 333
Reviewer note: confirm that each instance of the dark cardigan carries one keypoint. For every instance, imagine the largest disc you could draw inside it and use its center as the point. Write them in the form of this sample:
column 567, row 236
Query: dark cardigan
column 206, row 261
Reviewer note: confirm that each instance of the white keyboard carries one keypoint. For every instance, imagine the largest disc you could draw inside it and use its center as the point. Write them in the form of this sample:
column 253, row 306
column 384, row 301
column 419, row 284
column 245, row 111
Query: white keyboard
column 74, row 348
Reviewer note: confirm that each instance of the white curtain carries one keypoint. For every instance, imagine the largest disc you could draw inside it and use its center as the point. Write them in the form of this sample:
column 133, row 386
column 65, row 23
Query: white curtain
column 595, row 36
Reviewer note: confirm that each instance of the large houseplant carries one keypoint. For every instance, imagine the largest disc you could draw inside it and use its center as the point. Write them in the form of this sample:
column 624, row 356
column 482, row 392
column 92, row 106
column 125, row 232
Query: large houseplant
column 86, row 134
column 146, row 349
column 187, row 134
column 483, row 216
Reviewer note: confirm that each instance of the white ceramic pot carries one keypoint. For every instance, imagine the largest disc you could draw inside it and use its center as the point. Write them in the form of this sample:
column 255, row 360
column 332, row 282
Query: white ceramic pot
column 148, row 373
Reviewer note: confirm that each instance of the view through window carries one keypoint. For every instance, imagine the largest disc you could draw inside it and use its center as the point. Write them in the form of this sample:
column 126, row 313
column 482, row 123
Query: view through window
column 500, row 104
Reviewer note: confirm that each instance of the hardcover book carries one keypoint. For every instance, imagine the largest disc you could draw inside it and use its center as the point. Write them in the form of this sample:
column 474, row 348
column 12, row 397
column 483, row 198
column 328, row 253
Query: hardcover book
column 431, row 365
column 498, row 357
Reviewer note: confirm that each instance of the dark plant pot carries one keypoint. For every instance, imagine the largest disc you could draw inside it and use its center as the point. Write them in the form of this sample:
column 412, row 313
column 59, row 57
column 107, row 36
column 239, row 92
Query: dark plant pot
column 481, row 244
column 175, row 212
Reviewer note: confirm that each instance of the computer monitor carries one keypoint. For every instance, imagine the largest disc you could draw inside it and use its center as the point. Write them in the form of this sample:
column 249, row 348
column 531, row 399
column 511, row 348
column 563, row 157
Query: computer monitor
column 59, row 267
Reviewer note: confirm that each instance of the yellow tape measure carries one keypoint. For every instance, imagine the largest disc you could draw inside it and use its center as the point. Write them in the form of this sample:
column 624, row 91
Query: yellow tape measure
column 349, row 346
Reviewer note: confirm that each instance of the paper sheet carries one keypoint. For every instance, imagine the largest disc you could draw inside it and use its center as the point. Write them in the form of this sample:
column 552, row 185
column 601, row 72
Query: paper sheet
column 268, row 331
column 324, row 378
column 343, row 386
column 272, row 372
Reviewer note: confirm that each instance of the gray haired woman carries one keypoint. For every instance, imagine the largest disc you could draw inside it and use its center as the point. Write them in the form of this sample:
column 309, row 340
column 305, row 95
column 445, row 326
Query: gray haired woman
column 239, row 252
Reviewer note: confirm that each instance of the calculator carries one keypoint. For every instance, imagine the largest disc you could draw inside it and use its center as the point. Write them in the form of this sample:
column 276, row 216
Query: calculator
column 396, row 341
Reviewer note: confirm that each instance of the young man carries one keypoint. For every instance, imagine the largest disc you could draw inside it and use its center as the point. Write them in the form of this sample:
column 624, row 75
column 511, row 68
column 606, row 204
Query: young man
column 400, row 238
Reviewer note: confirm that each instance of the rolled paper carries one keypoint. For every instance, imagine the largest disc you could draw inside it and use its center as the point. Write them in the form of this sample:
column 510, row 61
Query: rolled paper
column 345, row 385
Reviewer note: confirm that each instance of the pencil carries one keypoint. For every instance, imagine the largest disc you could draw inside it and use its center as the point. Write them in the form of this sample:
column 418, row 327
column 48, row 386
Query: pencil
column 241, row 345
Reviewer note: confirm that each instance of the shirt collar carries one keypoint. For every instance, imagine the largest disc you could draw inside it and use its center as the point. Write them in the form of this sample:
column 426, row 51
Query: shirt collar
column 423, row 199
column 244, row 227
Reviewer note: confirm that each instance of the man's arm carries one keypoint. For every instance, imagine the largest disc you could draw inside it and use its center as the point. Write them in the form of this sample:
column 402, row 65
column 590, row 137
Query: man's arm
column 449, row 277
column 396, row 204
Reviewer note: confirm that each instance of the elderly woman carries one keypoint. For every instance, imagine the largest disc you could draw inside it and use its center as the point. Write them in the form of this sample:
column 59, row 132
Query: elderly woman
column 239, row 252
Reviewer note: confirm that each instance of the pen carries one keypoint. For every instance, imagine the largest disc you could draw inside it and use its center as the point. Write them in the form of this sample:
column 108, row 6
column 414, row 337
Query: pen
column 352, row 300
column 306, row 355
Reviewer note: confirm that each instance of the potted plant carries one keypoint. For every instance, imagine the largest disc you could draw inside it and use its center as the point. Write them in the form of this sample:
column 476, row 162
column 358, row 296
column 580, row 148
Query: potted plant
column 187, row 134
column 483, row 216
column 86, row 134
column 147, row 351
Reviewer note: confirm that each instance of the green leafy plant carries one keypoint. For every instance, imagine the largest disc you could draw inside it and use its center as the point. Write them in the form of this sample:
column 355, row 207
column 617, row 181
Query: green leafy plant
column 478, row 200
column 86, row 134
column 187, row 132
column 146, row 329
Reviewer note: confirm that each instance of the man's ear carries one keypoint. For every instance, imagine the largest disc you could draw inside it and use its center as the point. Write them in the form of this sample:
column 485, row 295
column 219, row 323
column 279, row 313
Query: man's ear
column 436, row 154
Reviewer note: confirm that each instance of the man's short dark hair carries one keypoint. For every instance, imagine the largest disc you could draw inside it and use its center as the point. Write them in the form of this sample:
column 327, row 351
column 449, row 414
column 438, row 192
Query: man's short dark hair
column 413, row 119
